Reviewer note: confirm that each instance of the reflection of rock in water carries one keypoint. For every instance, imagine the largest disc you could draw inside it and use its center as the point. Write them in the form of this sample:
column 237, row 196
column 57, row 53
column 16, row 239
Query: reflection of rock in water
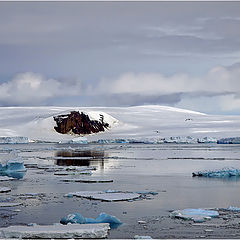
column 80, row 158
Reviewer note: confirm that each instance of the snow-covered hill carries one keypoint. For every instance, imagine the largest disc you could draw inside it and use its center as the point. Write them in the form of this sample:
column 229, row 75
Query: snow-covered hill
column 140, row 122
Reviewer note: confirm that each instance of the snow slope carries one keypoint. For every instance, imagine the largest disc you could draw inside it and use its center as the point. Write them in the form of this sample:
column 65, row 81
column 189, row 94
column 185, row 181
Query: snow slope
column 140, row 122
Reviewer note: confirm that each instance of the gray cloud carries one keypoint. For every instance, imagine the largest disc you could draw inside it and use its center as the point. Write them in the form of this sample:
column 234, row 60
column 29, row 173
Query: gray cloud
column 125, row 53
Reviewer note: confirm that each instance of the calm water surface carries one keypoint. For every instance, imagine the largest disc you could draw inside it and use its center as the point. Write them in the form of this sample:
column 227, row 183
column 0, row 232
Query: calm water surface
column 166, row 169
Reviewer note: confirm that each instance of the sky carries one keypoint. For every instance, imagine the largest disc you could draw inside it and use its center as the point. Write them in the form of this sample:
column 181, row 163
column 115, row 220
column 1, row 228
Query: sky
column 180, row 54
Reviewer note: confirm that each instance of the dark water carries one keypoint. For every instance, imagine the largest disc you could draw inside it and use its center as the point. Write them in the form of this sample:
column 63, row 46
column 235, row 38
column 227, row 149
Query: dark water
column 166, row 169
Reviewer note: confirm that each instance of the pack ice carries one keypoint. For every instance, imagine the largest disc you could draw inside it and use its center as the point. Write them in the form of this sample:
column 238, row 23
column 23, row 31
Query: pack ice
column 221, row 173
column 102, row 218
column 196, row 215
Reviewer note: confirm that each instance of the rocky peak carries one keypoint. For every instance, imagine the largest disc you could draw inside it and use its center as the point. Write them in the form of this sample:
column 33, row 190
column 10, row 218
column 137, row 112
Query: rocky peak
column 79, row 123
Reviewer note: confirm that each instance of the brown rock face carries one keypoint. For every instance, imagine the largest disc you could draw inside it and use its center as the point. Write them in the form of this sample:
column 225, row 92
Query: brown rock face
column 79, row 123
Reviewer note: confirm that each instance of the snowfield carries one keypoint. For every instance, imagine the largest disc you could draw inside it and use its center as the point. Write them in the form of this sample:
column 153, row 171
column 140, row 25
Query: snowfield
column 148, row 122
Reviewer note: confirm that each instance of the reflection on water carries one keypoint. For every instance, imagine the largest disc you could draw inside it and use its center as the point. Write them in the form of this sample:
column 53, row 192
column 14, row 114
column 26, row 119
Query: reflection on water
column 17, row 175
column 80, row 158
column 220, row 179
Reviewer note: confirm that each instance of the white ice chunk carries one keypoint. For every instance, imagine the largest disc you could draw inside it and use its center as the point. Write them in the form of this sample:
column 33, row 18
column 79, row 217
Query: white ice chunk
column 105, row 196
column 6, row 178
column 9, row 204
column 196, row 215
column 4, row 189
column 142, row 237
column 56, row 231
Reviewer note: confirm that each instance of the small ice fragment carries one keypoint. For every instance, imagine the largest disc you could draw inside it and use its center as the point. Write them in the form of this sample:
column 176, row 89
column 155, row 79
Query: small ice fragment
column 56, row 231
column 196, row 215
column 9, row 204
column 73, row 173
column 102, row 218
column 147, row 192
column 234, row 209
column 4, row 189
column 142, row 222
column 142, row 237
column 6, row 178
column 31, row 224
column 69, row 195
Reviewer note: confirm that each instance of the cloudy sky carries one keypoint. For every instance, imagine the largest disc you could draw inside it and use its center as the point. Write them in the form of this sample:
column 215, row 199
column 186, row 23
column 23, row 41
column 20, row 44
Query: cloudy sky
column 182, row 54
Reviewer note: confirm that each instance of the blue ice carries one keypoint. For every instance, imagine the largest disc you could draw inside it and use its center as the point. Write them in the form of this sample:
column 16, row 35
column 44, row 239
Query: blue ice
column 102, row 218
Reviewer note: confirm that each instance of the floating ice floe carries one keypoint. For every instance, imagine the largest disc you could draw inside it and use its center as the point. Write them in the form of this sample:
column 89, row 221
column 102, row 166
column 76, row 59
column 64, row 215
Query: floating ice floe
column 221, row 173
column 13, row 140
column 63, row 173
column 105, row 196
column 142, row 237
column 102, row 218
column 6, row 178
column 77, row 168
column 84, row 231
column 4, row 189
column 87, row 180
column 196, row 215
column 9, row 204
column 147, row 193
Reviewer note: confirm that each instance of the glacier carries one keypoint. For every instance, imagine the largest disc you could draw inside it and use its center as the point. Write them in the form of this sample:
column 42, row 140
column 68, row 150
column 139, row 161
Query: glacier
column 149, row 123
column 14, row 140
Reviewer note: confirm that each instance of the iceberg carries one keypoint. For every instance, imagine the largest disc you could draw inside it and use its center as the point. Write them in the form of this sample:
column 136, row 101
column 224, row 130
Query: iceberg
column 13, row 140
column 207, row 140
column 77, row 140
column 221, row 173
column 84, row 231
column 180, row 139
column 102, row 218
column 13, row 167
column 196, row 215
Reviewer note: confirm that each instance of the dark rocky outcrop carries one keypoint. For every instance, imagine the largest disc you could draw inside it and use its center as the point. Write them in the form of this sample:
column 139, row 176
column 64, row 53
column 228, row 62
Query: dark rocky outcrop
column 79, row 123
